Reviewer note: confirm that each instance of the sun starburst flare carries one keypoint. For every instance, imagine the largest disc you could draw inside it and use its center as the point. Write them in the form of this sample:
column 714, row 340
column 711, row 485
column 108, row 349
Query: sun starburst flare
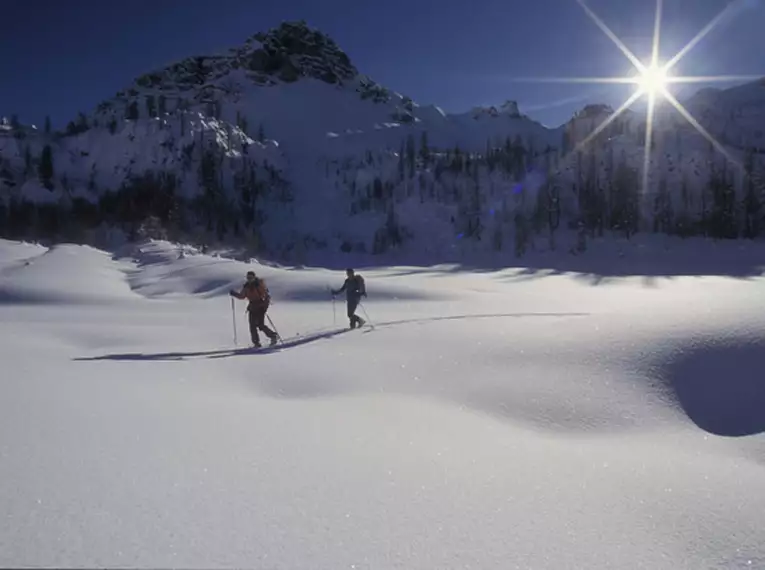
column 652, row 80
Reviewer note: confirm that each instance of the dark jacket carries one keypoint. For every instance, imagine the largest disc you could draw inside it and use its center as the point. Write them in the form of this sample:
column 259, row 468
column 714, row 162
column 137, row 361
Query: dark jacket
column 354, row 288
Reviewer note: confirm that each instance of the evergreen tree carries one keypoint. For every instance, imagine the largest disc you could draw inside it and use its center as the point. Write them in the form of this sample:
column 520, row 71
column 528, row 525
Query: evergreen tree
column 27, row 161
column 45, row 170
column 641, row 137
column 131, row 112
column 92, row 188
column 410, row 154
column 553, row 210
column 377, row 188
column 625, row 207
column 208, row 180
column 82, row 122
column 457, row 162
column 261, row 133
column 752, row 202
column 593, row 209
column 241, row 122
column 530, row 151
column 401, row 163
column 424, row 149
column 663, row 217
column 151, row 106
column 608, row 197
column 722, row 218
column 518, row 158
column 566, row 142
column 497, row 237
column 683, row 225
column 490, row 156
column 521, row 233
column 392, row 228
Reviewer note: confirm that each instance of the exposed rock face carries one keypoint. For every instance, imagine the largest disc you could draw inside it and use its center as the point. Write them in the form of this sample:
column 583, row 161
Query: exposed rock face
column 286, row 53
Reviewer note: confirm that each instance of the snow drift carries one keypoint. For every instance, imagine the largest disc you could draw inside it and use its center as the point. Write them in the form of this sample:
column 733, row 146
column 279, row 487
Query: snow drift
column 488, row 418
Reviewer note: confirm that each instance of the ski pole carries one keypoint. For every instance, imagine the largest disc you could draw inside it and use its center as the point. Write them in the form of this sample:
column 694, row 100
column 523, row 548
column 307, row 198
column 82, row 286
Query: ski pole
column 233, row 321
column 371, row 324
column 273, row 326
column 334, row 312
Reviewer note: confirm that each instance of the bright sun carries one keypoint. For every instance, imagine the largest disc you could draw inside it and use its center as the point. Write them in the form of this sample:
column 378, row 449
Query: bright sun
column 652, row 80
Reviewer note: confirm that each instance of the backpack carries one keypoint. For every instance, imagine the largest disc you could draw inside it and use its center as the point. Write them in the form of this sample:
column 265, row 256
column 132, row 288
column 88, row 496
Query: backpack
column 262, row 293
column 362, row 286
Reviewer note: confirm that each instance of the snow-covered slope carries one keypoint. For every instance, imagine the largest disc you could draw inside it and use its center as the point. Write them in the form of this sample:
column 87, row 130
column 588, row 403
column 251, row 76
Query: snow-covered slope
column 300, row 86
column 541, row 422
column 284, row 144
column 734, row 116
column 104, row 157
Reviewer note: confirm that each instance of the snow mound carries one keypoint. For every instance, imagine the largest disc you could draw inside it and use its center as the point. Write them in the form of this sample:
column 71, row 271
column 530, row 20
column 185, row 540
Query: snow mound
column 63, row 274
column 17, row 251
column 163, row 269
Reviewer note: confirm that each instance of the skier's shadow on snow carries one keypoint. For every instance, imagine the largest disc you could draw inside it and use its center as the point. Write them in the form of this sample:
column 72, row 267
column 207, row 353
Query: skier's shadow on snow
column 224, row 353
column 293, row 342
column 721, row 388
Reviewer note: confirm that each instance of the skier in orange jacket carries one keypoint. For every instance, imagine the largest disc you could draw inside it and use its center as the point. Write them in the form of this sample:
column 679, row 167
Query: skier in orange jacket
column 256, row 292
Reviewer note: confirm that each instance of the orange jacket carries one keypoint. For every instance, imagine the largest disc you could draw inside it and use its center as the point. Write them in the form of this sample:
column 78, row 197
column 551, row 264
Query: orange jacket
column 255, row 292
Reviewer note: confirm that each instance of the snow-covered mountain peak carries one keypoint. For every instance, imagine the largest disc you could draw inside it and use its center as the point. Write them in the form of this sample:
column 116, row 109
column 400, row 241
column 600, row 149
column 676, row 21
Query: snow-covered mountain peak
column 509, row 108
column 589, row 118
column 284, row 55
column 358, row 167
column 735, row 116
column 263, row 84
column 594, row 111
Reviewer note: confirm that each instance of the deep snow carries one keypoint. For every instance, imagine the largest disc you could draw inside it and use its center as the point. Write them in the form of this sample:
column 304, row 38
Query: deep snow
column 494, row 419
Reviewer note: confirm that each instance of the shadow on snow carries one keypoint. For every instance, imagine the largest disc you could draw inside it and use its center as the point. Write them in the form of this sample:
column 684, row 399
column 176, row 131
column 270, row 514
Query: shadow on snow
column 717, row 385
column 606, row 259
column 720, row 386
column 309, row 338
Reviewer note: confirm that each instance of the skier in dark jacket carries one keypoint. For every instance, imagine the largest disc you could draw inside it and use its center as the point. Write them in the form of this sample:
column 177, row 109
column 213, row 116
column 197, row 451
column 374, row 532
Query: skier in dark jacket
column 256, row 292
column 354, row 290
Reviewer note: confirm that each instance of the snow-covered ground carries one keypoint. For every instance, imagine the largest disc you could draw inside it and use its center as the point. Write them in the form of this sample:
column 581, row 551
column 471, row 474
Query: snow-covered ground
column 511, row 419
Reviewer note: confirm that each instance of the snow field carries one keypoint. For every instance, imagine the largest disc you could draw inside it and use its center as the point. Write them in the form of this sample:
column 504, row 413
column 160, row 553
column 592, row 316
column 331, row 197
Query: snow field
column 490, row 419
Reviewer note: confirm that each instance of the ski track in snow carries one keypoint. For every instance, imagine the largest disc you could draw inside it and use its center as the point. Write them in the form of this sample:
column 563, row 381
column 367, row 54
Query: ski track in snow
column 486, row 421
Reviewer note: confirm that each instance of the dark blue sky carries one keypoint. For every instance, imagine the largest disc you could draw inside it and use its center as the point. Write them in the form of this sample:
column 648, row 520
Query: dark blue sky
column 58, row 57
